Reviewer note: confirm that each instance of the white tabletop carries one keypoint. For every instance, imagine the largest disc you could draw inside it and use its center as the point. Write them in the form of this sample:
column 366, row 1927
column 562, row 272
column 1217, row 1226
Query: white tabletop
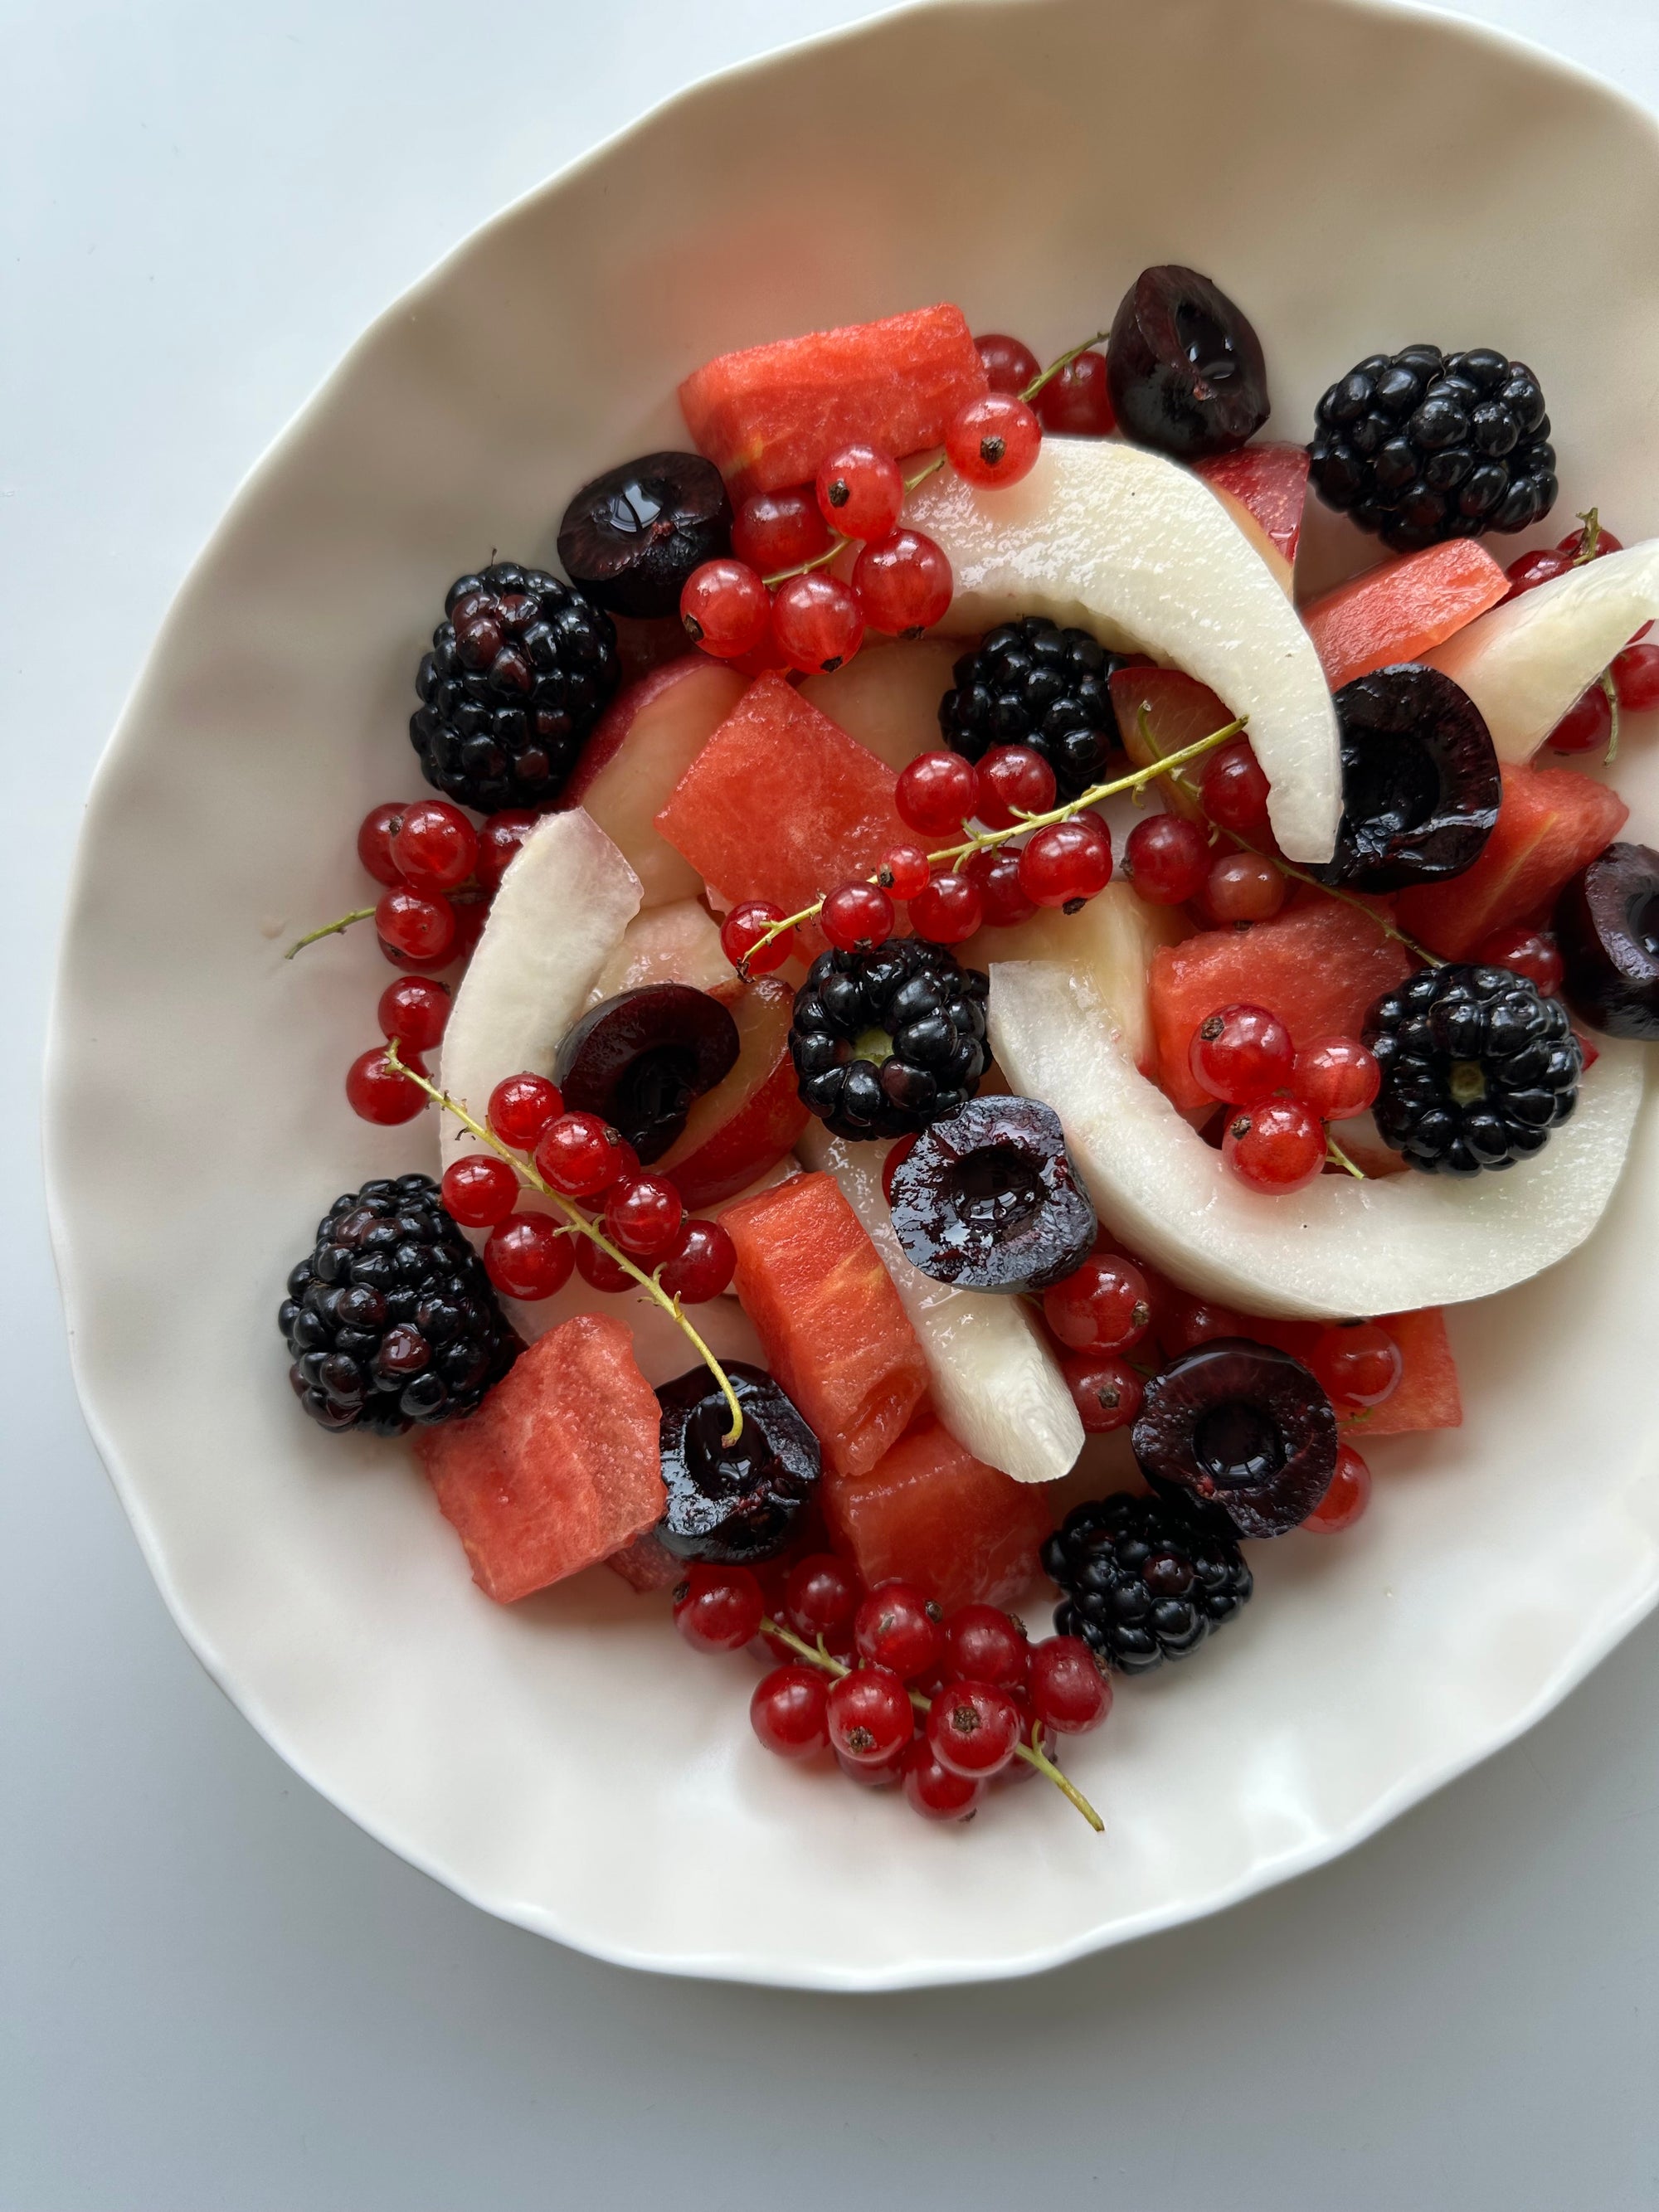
column 221, row 1997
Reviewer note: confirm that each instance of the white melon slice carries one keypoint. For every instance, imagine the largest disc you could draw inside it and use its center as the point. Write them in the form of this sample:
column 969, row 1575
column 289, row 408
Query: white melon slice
column 1524, row 663
column 1141, row 552
column 557, row 919
column 1340, row 1247
column 677, row 944
column 995, row 1385
column 887, row 695
column 1111, row 942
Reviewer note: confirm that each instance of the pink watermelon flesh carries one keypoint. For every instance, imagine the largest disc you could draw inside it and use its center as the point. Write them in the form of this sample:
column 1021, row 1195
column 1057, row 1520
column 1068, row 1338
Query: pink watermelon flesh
column 559, row 1467
column 768, row 415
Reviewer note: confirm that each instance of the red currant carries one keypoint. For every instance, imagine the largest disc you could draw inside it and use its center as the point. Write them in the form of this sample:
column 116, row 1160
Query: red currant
column 528, row 1256
column 1533, row 953
column 894, row 1161
column 820, row 1596
column 1104, row 1305
column 600, row 1271
column 1168, row 858
column 414, row 1011
column 775, row 530
column 1234, row 790
column 1587, row 725
column 973, row 1728
column 1276, row 1147
column 949, row 911
column 702, row 1264
column 1068, row 863
column 1009, row 365
column 983, row 1644
column 718, row 1608
column 857, row 917
column 932, row 1790
column 1069, row 1694
column 742, row 931
column 1193, row 1322
column 787, row 1712
column 381, row 1093
column 1240, row 1054
column 1573, row 544
column 936, row 791
column 419, row 923
column 871, row 1715
column 897, row 1627
column 1076, row 402
column 1357, row 1363
column 1002, row 896
column 643, row 1216
column 1243, row 887
column 580, row 1155
column 881, row 1775
column 1336, row 1078
column 994, row 441
column 903, row 583
column 1636, row 678
column 725, row 608
column 859, row 491
column 1014, row 781
column 499, row 841
column 436, row 847
column 522, row 1109
column 374, row 835
column 480, row 1190
column 1106, row 1390
column 1528, row 570
column 1345, row 1500
column 818, row 621
column 904, row 871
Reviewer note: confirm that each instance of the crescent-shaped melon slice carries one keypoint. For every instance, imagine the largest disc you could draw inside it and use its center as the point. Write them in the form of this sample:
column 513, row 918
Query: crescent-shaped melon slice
column 1339, row 1247
column 1141, row 552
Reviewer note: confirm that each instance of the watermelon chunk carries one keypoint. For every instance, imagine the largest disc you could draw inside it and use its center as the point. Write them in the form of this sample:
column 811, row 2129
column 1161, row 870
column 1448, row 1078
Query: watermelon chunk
column 1551, row 822
column 1402, row 609
column 781, row 804
column 1270, row 482
column 560, row 1467
column 836, row 1334
column 933, row 1514
column 1318, row 967
column 766, row 416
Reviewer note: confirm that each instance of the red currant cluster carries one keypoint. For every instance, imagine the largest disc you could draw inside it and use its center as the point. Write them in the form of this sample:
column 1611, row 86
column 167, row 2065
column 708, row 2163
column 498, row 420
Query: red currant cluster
column 1631, row 684
column 900, row 1694
column 1174, row 862
column 1243, row 1057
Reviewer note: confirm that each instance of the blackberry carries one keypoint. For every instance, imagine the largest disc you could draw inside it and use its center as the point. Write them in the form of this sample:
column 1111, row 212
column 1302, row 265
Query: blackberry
column 520, row 670
column 1033, row 684
column 1477, row 1068
column 886, row 1043
column 1145, row 1579
column 1423, row 444
column 390, row 1319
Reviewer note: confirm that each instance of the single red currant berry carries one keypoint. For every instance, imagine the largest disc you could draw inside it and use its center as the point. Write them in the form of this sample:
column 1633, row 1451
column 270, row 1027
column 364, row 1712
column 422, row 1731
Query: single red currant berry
column 1243, row 887
column 1068, row 863
column 1587, row 725
column 1276, row 1147
column 857, row 917
column 718, row 1608
column 1533, row 953
column 580, row 1156
column 1336, row 1078
column 414, row 1011
column 643, row 1216
column 903, row 583
column 871, row 1715
column 818, row 621
column 522, row 1109
column 1193, row 1322
column 949, row 911
column 600, row 1271
column 1014, row 781
column 1009, row 365
column 787, row 1712
column 821, row 1596
column 1104, row 1305
column 1528, row 570
column 1106, row 1390
column 400, row 959
column 936, row 791
column 380, row 1092
column 701, row 1265
column 994, row 441
column 1240, row 1054
column 374, row 835
column 932, row 1790
column 897, row 1627
column 996, row 871
column 904, row 871
column 859, row 491
column 1234, row 790
column 1069, row 1694
column 419, row 923
column 499, row 841
column 973, row 1728
column 894, row 1161
column 725, row 608
column 1076, row 402
column 528, row 1255
column 1636, row 678
column 775, row 530
column 436, row 847
column 882, row 1775
column 983, row 1644
column 480, row 1190
column 741, row 933
column 1574, row 543
column 1347, row 1497
column 1358, row 1362
column 1168, row 858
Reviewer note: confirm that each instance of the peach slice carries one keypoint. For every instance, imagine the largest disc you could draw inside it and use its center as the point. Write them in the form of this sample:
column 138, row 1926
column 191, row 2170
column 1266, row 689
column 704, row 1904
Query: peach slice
column 750, row 1120
column 677, row 944
column 887, row 696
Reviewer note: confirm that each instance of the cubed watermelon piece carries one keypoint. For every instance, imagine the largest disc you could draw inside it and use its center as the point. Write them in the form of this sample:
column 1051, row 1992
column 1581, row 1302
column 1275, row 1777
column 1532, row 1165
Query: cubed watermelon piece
column 1319, row 967
column 1553, row 821
column 1270, row 481
column 781, row 804
column 834, row 1332
column 1402, row 609
column 931, row 1514
column 766, row 416
column 559, row 1467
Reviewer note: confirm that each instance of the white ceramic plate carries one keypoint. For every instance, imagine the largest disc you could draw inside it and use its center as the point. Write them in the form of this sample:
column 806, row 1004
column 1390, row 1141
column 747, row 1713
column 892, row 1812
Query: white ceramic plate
column 1356, row 177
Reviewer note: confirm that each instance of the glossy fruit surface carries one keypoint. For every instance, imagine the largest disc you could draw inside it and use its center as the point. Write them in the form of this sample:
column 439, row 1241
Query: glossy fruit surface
column 936, row 793
column 871, row 1715
column 996, row 875
column 415, row 1011
column 1636, row 678
column 775, row 530
column 377, row 1092
column 739, row 1501
column 632, row 537
column 1336, row 1078
column 994, row 441
column 741, row 935
column 499, row 840
column 479, row 1189
column 1608, row 925
column 1349, row 1494
column 1359, row 1364
column 528, row 1256
column 988, row 1199
column 1587, row 725
column 973, row 1729
column 1069, row 1694
column 1236, row 790
column 643, row 1216
column 857, row 917
column 1276, row 1147
column 1065, row 864
column 1243, row 887
column 1168, row 859
column 725, row 609
column 1533, row 953
column 581, row 1155
column 933, row 1790
column 1104, row 1306
column 1241, row 1054
column 904, row 871
column 1077, row 401
column 522, row 1109
column 821, row 1597
column 818, row 621
column 897, row 1627
column 1014, row 781
column 903, row 583
column 983, row 1644
column 374, row 835
column 436, row 847
column 743, row 1128
column 1106, row 1390
column 421, row 924
column 1401, row 610
column 1010, row 364
column 701, row 1266
column 859, row 491
column 641, row 1059
column 787, row 1712
column 1185, row 368
column 1420, row 780
column 1241, row 1427
column 718, row 1608
column 949, row 910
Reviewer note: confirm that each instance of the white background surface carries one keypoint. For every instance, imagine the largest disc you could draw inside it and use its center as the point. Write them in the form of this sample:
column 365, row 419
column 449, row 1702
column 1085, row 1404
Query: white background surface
column 219, row 1995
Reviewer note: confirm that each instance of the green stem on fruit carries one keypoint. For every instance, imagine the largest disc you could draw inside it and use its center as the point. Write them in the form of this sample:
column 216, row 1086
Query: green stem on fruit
column 1334, row 1153
column 329, row 929
column 1032, row 1754
column 839, row 545
column 529, row 1175
column 1063, row 360
column 1612, row 692
column 1589, row 542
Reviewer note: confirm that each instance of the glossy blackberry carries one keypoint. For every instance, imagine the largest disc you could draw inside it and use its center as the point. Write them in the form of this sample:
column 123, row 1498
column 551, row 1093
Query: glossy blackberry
column 1144, row 1579
column 889, row 1042
column 1477, row 1068
column 390, row 1319
column 1423, row 444
column 521, row 669
column 1033, row 684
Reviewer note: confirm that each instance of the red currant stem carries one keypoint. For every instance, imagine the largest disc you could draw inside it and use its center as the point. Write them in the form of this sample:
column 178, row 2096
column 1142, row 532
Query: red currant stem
column 575, row 1220
column 1591, row 539
column 1334, row 1151
column 1612, row 690
column 816, row 1655
column 329, row 929
column 840, row 545
column 1063, row 360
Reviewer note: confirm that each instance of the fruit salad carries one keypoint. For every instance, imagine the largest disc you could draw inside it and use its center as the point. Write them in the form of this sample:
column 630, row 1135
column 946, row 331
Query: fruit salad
column 960, row 1032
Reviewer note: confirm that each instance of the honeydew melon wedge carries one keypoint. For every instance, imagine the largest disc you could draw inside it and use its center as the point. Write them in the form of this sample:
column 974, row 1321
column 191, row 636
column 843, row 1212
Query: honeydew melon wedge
column 1340, row 1247
column 1524, row 663
column 994, row 1382
column 1140, row 551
